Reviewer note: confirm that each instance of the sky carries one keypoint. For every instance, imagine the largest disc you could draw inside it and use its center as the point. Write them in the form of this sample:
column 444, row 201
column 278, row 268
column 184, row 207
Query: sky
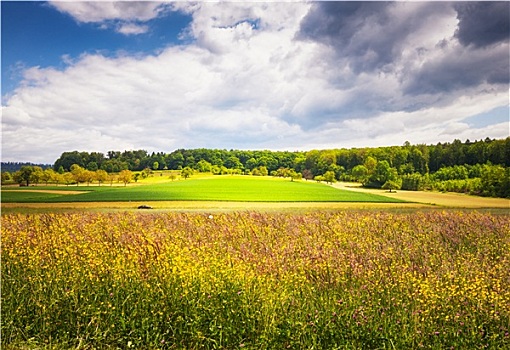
column 99, row 76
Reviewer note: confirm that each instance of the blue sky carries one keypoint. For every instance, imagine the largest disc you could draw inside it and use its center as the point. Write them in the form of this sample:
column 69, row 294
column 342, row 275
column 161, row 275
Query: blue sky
column 100, row 76
column 35, row 34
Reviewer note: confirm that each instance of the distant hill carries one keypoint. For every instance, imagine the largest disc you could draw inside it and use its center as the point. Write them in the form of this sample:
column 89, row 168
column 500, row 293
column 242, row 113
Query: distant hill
column 15, row 166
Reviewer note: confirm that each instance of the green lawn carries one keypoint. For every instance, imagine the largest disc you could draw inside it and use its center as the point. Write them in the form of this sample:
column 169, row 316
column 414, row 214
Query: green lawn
column 218, row 188
column 25, row 196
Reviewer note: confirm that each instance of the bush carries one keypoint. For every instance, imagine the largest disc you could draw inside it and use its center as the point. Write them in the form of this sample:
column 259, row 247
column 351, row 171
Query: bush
column 414, row 182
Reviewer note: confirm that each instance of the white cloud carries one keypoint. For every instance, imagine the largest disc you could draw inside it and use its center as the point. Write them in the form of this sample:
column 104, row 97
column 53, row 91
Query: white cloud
column 132, row 28
column 100, row 11
column 430, row 125
column 246, row 82
column 125, row 17
column 39, row 145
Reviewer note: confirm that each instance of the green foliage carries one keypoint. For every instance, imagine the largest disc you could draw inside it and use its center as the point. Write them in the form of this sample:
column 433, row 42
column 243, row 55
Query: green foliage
column 6, row 177
column 49, row 175
column 371, row 164
column 92, row 166
column 146, row 173
column 391, row 185
column 329, row 176
column 233, row 163
column 470, row 186
column 414, row 182
column 203, row 166
column 186, row 172
column 495, row 181
column 381, row 173
column 24, row 175
column 457, row 172
column 263, row 170
column 485, row 180
column 360, row 173
column 406, row 159
column 260, row 171
column 295, row 176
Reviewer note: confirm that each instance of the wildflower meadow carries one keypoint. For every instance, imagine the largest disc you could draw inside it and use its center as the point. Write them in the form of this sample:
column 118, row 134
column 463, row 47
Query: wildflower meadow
column 251, row 280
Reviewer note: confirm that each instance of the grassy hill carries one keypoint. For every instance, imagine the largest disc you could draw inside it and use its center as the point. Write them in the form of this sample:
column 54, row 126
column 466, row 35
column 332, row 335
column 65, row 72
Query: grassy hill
column 218, row 188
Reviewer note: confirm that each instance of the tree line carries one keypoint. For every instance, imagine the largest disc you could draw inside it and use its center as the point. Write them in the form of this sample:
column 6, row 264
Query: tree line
column 406, row 159
column 478, row 167
column 33, row 175
column 15, row 166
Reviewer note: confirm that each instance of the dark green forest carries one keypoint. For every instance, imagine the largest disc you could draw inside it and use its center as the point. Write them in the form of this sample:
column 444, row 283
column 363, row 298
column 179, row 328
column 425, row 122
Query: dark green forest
column 406, row 159
column 479, row 167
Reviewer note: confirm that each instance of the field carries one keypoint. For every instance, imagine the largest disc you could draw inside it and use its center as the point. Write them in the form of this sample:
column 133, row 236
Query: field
column 227, row 193
column 330, row 280
column 252, row 263
column 219, row 188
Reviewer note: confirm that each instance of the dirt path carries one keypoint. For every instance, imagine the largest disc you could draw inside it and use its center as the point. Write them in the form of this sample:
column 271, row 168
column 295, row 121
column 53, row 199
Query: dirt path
column 452, row 200
column 203, row 206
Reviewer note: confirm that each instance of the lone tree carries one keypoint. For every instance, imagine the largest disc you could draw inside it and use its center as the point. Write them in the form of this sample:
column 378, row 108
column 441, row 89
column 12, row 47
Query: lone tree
column 391, row 185
column 186, row 172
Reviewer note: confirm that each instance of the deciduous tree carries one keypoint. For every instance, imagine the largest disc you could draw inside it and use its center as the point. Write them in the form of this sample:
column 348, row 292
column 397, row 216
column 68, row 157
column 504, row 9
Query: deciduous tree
column 329, row 176
column 186, row 172
column 360, row 173
column 37, row 174
column 24, row 175
column 49, row 175
column 101, row 176
column 391, row 185
column 125, row 176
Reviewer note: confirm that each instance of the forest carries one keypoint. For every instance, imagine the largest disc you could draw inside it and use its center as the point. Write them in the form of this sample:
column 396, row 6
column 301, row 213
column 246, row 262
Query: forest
column 478, row 167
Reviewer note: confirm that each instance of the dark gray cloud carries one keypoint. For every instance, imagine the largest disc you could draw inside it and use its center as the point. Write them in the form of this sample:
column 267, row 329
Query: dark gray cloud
column 483, row 56
column 341, row 25
column 371, row 35
column 483, row 23
column 395, row 38
column 337, row 22
column 459, row 69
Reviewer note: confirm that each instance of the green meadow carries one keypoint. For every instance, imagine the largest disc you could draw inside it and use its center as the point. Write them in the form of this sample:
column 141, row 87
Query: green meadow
column 246, row 279
column 218, row 188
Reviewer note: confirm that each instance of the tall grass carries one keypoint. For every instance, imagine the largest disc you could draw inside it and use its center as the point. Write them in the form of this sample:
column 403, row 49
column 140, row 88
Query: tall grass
column 349, row 280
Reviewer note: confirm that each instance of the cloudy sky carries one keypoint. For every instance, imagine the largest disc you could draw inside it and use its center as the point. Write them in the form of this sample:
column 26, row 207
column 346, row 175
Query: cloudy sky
column 100, row 76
